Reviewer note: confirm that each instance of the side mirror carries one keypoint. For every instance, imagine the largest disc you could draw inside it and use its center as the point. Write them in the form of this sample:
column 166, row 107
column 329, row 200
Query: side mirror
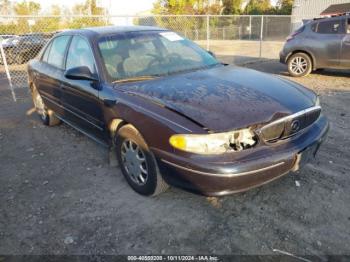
column 80, row 73
column 211, row 53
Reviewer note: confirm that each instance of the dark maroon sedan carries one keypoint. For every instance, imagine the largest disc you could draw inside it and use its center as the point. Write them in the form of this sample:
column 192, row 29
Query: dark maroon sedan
column 172, row 113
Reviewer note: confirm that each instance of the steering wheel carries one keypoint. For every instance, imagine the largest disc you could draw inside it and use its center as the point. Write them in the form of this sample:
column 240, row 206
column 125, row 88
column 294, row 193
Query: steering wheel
column 162, row 60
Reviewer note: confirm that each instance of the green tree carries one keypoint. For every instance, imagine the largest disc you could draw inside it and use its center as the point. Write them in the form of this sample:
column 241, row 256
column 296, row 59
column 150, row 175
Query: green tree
column 284, row 7
column 27, row 8
column 259, row 7
column 49, row 24
column 56, row 10
column 193, row 27
column 87, row 9
column 186, row 7
column 232, row 7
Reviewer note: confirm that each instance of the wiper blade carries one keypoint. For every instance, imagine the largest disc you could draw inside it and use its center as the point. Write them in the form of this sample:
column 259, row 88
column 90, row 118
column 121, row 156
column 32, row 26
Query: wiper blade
column 134, row 79
column 195, row 69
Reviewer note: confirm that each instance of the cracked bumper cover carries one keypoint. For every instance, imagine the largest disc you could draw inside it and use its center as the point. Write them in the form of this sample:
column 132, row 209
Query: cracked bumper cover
column 263, row 164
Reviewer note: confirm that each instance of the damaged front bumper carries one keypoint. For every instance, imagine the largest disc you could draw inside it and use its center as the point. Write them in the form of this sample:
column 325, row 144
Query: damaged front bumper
column 237, row 172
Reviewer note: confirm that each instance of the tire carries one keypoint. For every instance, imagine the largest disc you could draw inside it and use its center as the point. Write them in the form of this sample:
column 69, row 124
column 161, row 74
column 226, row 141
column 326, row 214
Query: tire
column 47, row 116
column 137, row 162
column 299, row 64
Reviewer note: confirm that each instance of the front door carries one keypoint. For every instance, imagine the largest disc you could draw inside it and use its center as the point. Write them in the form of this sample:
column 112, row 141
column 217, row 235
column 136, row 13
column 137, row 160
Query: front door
column 80, row 98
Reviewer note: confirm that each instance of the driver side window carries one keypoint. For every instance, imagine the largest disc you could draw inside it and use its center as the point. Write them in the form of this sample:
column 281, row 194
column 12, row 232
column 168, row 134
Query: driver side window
column 80, row 54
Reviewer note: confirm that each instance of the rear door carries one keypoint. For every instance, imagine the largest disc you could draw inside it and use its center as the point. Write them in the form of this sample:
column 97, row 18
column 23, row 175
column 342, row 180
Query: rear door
column 327, row 48
column 51, row 71
column 81, row 97
column 345, row 50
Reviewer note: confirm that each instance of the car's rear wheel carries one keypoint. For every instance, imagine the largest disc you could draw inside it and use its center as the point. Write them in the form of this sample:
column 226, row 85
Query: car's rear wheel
column 137, row 162
column 299, row 64
column 47, row 117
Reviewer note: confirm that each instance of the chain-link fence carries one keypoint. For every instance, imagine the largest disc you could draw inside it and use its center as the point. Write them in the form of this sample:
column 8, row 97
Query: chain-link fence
column 234, row 39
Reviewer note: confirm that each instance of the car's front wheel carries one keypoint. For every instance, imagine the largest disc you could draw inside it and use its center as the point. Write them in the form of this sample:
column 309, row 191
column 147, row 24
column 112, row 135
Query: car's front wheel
column 47, row 116
column 299, row 64
column 137, row 162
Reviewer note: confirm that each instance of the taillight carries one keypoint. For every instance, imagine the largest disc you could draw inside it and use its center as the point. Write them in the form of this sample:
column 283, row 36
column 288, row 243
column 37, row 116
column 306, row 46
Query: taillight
column 291, row 36
column 295, row 33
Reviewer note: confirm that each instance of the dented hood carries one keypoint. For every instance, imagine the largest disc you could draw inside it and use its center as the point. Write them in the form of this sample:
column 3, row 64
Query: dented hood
column 226, row 97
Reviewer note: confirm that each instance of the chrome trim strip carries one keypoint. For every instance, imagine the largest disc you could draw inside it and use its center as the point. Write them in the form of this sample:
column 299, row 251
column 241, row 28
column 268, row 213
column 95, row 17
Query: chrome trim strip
column 302, row 112
column 77, row 115
column 224, row 175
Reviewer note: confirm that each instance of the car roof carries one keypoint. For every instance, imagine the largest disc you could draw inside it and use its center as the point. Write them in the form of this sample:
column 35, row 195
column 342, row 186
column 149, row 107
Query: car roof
column 93, row 32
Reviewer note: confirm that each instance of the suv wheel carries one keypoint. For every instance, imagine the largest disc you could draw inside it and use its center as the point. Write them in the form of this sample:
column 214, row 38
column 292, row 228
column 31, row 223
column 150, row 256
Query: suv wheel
column 137, row 163
column 299, row 64
column 47, row 117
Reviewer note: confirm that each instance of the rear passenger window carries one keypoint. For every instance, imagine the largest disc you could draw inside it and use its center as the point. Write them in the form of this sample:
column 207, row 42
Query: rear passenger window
column 331, row 27
column 314, row 27
column 348, row 27
column 57, row 50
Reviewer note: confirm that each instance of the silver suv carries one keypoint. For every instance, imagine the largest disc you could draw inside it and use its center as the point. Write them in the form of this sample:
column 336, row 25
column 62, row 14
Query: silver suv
column 320, row 43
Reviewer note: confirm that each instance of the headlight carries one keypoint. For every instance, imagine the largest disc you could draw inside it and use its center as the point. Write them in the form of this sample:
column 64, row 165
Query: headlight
column 217, row 143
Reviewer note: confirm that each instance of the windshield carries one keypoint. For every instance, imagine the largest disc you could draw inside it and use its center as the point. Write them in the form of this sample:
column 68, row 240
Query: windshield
column 151, row 53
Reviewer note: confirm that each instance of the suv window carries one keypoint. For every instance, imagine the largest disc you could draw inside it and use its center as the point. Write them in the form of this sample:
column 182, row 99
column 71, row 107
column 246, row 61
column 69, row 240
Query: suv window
column 57, row 50
column 80, row 54
column 331, row 27
column 348, row 27
column 314, row 27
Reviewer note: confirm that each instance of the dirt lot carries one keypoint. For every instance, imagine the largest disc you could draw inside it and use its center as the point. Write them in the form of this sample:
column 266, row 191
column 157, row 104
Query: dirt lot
column 59, row 195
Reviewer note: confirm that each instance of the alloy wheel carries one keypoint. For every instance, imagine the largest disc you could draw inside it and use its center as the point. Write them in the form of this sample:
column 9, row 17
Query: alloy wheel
column 298, row 65
column 134, row 162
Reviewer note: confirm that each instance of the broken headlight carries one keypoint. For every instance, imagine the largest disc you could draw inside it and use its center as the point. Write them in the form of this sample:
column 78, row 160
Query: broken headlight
column 216, row 143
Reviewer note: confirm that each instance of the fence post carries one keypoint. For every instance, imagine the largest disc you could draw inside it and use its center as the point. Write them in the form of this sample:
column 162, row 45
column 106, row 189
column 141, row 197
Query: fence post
column 261, row 35
column 250, row 27
column 208, row 33
column 7, row 71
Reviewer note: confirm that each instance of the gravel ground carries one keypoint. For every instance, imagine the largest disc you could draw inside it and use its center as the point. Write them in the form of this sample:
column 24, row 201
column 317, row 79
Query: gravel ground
column 59, row 195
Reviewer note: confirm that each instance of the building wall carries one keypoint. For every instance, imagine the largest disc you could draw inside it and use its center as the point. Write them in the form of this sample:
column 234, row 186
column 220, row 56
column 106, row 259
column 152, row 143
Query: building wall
column 308, row 9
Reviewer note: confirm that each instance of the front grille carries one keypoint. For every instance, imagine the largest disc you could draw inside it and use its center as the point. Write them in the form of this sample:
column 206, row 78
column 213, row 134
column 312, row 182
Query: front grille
column 289, row 125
